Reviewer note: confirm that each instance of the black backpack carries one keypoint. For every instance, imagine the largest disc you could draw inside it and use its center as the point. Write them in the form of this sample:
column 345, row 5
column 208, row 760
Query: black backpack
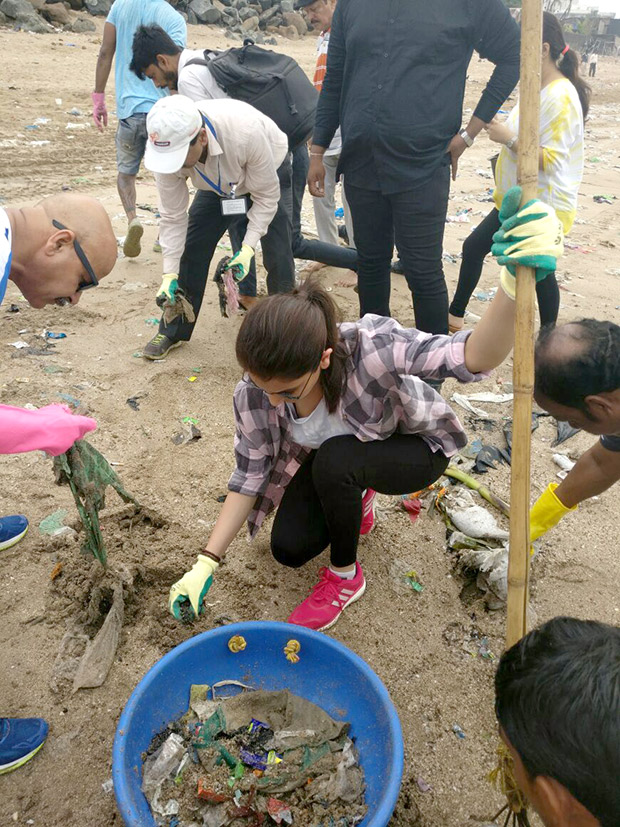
column 275, row 84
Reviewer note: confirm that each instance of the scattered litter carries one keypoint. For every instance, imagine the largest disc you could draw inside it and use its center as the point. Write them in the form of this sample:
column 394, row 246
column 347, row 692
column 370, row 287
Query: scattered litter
column 53, row 523
column 108, row 786
column 49, row 334
column 19, row 345
column 39, row 143
column 339, row 212
column 485, row 396
column 99, row 655
column 270, row 757
column 42, row 121
column 485, row 295
column 74, row 111
column 32, row 126
column 412, row 578
column 404, row 578
column 604, row 199
column 487, row 456
column 564, row 432
column 78, row 126
column 12, row 308
column 450, row 257
column 190, row 433
column 459, row 218
column 152, row 321
column 483, row 173
column 463, row 401
column 134, row 286
column 133, row 401
column 458, row 731
column 58, row 101
column 564, row 463
column 422, row 785
column 475, row 521
column 412, row 506
column 57, row 570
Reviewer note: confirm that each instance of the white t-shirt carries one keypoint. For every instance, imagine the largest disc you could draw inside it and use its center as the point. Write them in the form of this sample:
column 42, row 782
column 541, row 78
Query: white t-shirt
column 196, row 81
column 5, row 251
column 312, row 431
column 561, row 137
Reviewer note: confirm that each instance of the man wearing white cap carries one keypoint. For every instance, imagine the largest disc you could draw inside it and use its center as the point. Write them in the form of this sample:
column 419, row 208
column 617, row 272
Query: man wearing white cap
column 238, row 160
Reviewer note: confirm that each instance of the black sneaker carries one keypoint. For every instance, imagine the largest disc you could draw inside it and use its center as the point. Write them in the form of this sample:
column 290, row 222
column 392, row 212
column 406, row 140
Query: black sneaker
column 159, row 347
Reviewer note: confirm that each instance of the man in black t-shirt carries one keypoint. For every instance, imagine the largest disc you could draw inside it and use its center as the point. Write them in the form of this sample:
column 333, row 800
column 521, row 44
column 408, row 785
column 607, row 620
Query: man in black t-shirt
column 578, row 381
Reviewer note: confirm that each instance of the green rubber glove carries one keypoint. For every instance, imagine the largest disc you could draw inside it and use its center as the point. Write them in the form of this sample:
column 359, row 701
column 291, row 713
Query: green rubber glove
column 168, row 289
column 546, row 512
column 193, row 586
column 240, row 262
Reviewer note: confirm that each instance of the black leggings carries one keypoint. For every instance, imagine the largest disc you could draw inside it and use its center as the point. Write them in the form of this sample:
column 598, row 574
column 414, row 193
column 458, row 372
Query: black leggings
column 322, row 504
column 475, row 248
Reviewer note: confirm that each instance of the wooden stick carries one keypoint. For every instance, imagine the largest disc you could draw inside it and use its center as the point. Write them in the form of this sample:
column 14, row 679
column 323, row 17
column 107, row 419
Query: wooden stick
column 523, row 371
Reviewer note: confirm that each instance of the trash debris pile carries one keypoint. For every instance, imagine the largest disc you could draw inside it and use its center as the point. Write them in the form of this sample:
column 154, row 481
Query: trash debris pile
column 251, row 759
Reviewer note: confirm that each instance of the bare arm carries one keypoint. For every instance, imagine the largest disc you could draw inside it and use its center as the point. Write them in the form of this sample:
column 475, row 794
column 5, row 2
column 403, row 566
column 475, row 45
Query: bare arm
column 493, row 336
column 105, row 58
column 234, row 513
column 596, row 471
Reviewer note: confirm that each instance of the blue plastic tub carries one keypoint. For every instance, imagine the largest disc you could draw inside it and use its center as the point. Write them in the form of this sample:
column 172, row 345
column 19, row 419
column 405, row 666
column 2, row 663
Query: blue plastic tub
column 328, row 674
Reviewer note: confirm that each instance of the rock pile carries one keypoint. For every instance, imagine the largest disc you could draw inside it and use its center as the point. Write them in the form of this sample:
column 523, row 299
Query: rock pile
column 258, row 19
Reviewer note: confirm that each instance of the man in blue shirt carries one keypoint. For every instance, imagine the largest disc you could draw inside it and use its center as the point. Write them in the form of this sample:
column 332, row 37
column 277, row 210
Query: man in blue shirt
column 134, row 97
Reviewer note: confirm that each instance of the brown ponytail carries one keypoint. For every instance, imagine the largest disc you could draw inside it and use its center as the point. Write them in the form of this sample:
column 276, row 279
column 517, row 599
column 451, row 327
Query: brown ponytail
column 568, row 61
column 285, row 336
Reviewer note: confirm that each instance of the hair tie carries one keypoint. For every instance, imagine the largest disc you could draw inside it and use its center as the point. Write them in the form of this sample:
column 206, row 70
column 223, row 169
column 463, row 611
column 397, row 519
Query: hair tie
column 564, row 50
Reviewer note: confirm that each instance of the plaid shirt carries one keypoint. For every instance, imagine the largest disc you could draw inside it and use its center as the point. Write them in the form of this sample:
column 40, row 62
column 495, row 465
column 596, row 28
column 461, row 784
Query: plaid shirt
column 385, row 392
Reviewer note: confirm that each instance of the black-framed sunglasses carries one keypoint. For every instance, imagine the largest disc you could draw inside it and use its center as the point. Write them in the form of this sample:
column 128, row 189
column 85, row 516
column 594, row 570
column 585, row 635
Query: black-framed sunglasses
column 83, row 285
column 290, row 397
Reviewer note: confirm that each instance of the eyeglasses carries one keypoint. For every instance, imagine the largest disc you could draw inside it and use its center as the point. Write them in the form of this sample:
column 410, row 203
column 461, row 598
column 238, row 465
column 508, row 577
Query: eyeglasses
column 83, row 285
column 284, row 394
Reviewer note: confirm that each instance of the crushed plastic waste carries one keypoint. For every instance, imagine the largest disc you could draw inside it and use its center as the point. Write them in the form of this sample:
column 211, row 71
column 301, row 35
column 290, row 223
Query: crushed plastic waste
column 190, row 433
column 458, row 731
column 422, row 785
column 485, row 295
column 564, row 463
column 252, row 759
column 49, row 334
column 228, row 292
column 134, row 403
column 604, row 199
column 88, row 474
column 488, row 456
column 564, row 432
column 412, row 506
column 53, row 524
column 339, row 212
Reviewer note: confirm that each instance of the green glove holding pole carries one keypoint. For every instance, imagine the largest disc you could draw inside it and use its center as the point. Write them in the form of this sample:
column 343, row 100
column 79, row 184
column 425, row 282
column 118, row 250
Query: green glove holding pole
column 531, row 237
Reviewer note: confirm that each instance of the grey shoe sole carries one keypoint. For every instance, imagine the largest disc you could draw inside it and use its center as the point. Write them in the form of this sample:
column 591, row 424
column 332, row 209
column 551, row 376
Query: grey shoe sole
column 161, row 356
column 131, row 246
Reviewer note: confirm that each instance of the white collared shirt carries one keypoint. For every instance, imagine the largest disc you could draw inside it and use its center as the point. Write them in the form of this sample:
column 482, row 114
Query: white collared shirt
column 247, row 152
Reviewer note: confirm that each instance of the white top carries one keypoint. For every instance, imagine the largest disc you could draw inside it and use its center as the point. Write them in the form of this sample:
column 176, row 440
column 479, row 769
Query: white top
column 561, row 138
column 196, row 81
column 313, row 430
column 5, row 251
column 247, row 152
column 593, row 57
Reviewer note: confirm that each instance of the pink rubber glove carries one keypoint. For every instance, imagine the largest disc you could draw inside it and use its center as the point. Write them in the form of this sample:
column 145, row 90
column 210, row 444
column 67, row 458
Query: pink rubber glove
column 53, row 428
column 100, row 113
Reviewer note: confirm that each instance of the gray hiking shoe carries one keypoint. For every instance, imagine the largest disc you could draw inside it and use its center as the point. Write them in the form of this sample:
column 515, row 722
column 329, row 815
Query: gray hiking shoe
column 131, row 246
column 159, row 347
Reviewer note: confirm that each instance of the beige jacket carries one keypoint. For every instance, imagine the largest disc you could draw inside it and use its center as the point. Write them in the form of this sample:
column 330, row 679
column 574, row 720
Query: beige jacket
column 247, row 152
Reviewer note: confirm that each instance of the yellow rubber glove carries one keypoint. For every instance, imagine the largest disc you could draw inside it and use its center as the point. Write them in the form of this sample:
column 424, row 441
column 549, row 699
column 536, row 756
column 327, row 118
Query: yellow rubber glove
column 193, row 586
column 240, row 262
column 546, row 512
column 167, row 290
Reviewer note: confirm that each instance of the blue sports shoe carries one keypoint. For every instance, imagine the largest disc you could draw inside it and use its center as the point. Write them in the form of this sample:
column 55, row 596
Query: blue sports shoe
column 20, row 739
column 12, row 529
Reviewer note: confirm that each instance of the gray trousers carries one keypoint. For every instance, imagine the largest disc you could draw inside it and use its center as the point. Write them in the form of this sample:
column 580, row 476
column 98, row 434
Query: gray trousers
column 324, row 208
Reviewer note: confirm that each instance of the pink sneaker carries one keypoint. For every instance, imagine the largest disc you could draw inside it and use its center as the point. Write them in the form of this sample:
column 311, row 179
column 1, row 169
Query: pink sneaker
column 368, row 512
column 329, row 597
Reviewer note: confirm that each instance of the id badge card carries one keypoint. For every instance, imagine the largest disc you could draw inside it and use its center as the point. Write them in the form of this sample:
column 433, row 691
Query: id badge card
column 235, row 206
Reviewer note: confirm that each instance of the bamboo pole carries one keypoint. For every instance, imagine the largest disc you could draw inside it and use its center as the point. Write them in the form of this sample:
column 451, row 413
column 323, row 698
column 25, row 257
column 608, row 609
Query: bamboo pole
column 523, row 371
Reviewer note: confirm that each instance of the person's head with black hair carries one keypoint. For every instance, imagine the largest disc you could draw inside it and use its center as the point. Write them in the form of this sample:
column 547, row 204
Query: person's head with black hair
column 155, row 56
column 557, row 700
column 578, row 374
column 558, row 51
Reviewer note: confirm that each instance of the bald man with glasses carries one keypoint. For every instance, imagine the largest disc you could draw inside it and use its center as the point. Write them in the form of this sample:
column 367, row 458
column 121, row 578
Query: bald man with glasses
column 52, row 252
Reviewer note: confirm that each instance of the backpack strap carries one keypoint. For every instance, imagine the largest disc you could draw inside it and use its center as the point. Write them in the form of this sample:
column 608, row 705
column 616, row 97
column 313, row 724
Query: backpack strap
column 201, row 61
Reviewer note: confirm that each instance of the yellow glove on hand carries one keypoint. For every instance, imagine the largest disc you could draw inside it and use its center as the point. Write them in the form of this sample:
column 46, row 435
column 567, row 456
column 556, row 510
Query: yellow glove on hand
column 193, row 586
column 167, row 290
column 239, row 264
column 546, row 512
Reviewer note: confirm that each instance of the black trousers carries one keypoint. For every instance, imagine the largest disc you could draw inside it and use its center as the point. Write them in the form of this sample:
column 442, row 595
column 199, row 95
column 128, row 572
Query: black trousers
column 415, row 220
column 206, row 227
column 476, row 246
column 334, row 255
column 592, row 72
column 322, row 504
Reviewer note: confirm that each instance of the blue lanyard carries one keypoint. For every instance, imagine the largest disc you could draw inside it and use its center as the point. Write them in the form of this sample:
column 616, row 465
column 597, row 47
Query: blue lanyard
column 217, row 187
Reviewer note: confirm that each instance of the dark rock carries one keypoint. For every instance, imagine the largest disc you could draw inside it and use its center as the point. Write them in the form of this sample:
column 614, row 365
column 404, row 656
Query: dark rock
column 32, row 23
column 4, row 20
column 191, row 18
column 245, row 13
column 266, row 4
column 267, row 16
column 287, row 5
column 83, row 24
column 76, row 5
column 205, row 11
column 249, row 24
column 57, row 14
column 293, row 18
column 98, row 7
column 15, row 8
